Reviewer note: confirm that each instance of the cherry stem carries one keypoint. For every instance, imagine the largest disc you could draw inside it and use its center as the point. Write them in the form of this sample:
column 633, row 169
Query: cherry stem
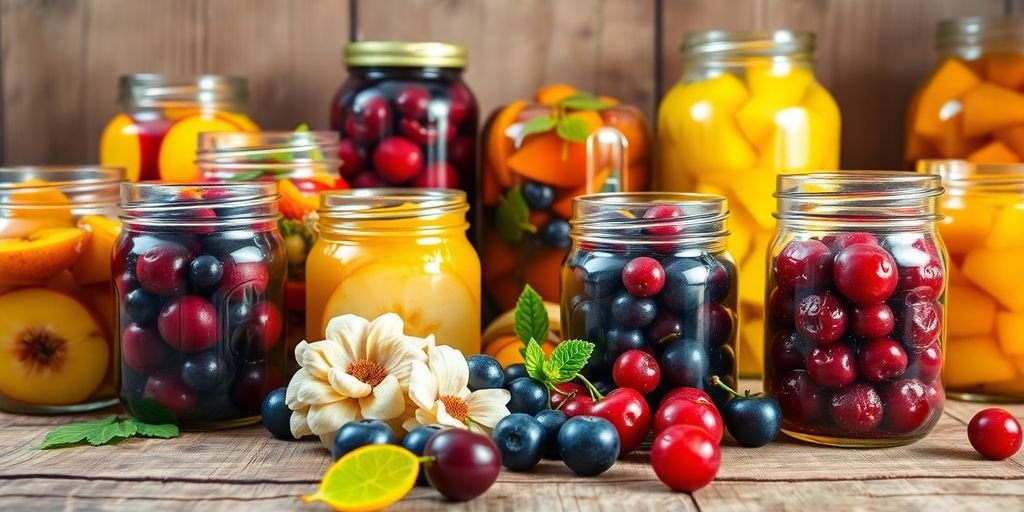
column 715, row 381
column 594, row 393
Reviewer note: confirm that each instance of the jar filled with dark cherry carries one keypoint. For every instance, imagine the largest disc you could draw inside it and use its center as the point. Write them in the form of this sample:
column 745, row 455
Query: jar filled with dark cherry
column 856, row 291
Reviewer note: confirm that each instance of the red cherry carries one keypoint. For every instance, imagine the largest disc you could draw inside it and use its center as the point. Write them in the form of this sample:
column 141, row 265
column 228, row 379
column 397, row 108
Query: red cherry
column 936, row 396
column 370, row 117
column 437, row 175
column 167, row 388
column 821, row 318
column 871, row 321
column 267, row 321
column 461, row 103
column 686, row 394
column 856, row 408
column 125, row 282
column 833, row 365
column 925, row 363
column 423, row 134
column 188, row 324
column 397, row 160
column 788, row 352
column 163, row 268
column 643, row 277
column 918, row 322
column 698, row 412
column 625, row 408
column 919, row 265
column 368, row 179
column 351, row 158
column 570, row 390
column 461, row 153
column 637, row 370
column 802, row 400
column 803, row 265
column 685, row 458
column 412, row 101
column 907, row 407
column 865, row 273
column 843, row 240
column 995, row 433
column 663, row 213
column 782, row 306
column 142, row 348
column 882, row 359
column 578, row 405
column 241, row 277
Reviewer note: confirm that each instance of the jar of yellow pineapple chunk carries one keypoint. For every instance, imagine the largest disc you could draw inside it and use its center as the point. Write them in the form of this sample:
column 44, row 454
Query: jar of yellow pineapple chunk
column 747, row 108
column 984, row 233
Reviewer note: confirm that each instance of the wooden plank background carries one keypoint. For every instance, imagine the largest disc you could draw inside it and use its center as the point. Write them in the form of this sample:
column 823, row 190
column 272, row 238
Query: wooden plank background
column 60, row 58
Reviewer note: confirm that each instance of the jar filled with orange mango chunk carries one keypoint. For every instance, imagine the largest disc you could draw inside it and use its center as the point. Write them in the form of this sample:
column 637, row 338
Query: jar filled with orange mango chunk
column 972, row 105
column 58, row 328
column 537, row 156
column 155, row 136
column 747, row 108
column 983, row 227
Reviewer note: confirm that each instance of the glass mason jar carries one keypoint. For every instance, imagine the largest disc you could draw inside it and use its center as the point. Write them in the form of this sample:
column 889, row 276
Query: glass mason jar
column 303, row 164
column 406, row 117
column 747, row 108
column 200, row 274
column 154, row 137
column 970, row 107
column 400, row 251
column 650, row 271
column 530, row 179
column 983, row 228
column 855, row 327
column 57, row 327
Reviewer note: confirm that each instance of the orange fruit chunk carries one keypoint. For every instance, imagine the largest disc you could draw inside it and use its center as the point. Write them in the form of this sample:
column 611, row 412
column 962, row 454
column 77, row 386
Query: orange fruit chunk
column 1005, row 69
column 540, row 159
column 294, row 203
column 500, row 256
column 552, row 94
column 995, row 152
column 1013, row 137
column 500, row 143
column 94, row 264
column 120, row 146
column 489, row 187
column 989, row 107
column 178, row 150
column 952, row 143
column 40, row 255
column 542, row 272
column 951, row 81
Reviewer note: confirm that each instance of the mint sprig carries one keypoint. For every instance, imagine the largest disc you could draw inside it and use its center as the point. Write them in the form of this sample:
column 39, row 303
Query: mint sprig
column 512, row 216
column 568, row 128
column 531, row 318
column 105, row 431
column 563, row 365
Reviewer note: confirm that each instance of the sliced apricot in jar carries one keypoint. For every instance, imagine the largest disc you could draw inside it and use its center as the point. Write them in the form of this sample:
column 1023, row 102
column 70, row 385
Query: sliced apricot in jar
column 989, row 107
column 949, row 82
column 120, row 146
column 94, row 264
column 40, row 255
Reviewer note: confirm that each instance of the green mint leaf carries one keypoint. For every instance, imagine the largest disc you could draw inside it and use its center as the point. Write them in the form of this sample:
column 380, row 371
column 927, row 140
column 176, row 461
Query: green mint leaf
column 531, row 318
column 165, row 431
column 117, row 430
column 573, row 129
column 570, row 356
column 533, row 355
column 302, row 128
column 252, row 175
column 551, row 371
column 584, row 101
column 513, row 217
column 73, row 434
column 539, row 124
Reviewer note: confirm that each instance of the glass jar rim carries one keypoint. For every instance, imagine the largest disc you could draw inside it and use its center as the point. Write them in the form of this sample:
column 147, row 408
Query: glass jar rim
column 994, row 32
column 611, row 217
column 208, row 204
column 362, row 204
column 86, row 187
column 285, row 150
column 825, row 186
column 859, row 199
column 767, row 43
column 961, row 176
column 405, row 54
column 153, row 90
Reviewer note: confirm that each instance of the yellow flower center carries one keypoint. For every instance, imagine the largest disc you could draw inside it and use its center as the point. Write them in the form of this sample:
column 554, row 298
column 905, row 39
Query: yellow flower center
column 456, row 407
column 368, row 372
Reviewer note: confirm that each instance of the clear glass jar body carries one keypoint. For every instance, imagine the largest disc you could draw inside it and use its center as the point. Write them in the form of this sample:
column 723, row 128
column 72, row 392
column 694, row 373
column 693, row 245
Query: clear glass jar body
column 983, row 228
column 57, row 329
column 747, row 109
column 537, row 176
column 200, row 275
column 855, row 325
column 400, row 251
column 154, row 137
column 303, row 164
column 688, row 322
column 970, row 106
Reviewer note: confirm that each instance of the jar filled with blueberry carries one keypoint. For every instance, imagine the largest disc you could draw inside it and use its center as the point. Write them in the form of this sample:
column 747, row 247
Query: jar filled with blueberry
column 406, row 117
column 199, row 276
column 856, row 287
column 650, row 271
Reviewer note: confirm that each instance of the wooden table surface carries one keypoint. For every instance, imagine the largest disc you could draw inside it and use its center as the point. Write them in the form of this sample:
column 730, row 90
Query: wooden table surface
column 245, row 469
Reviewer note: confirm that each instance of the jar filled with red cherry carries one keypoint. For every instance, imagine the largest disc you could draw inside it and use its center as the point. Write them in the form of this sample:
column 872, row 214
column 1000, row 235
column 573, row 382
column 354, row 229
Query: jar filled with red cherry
column 856, row 302
column 199, row 275
column 649, row 271
column 406, row 117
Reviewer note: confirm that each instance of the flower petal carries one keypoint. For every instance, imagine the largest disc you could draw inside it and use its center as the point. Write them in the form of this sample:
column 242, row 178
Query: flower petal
column 450, row 369
column 386, row 401
column 447, row 419
column 298, row 424
column 300, row 349
column 347, row 385
column 349, row 331
column 294, row 385
column 411, row 424
column 422, row 386
column 426, row 417
column 321, row 356
column 317, row 392
column 487, row 406
column 328, row 418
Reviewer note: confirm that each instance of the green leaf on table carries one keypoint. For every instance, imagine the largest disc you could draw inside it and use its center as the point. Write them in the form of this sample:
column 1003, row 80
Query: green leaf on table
column 73, row 433
column 107, row 433
column 165, row 431
column 533, row 356
column 101, row 432
column 573, row 129
column 513, row 217
column 531, row 317
column 570, row 356
column 539, row 124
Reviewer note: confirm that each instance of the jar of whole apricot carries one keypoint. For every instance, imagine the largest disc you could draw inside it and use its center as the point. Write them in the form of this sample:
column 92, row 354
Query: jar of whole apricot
column 984, row 231
column 401, row 251
column 155, row 135
column 972, row 105
column 539, row 156
column 747, row 109
column 856, row 294
column 57, row 323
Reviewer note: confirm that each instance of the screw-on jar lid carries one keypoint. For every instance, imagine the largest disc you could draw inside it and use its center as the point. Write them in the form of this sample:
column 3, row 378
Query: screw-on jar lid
column 148, row 90
column 707, row 43
column 403, row 54
column 970, row 36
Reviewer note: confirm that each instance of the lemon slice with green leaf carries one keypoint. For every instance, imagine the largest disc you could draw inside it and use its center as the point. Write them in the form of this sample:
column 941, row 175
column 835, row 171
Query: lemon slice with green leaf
column 368, row 478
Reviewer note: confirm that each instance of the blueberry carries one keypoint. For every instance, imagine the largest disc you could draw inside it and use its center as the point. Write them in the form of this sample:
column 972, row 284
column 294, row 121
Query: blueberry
column 415, row 441
column 665, row 327
column 528, row 396
column 632, row 311
column 142, row 307
column 711, row 324
column 556, row 234
column 246, row 343
column 588, row 445
column 484, row 372
column 520, row 438
column 206, row 271
column 513, row 372
column 355, row 434
column 685, row 363
column 202, row 371
column 601, row 274
column 552, row 421
column 693, row 282
column 621, row 340
column 276, row 414
column 753, row 421
column 538, row 196
column 587, row 317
